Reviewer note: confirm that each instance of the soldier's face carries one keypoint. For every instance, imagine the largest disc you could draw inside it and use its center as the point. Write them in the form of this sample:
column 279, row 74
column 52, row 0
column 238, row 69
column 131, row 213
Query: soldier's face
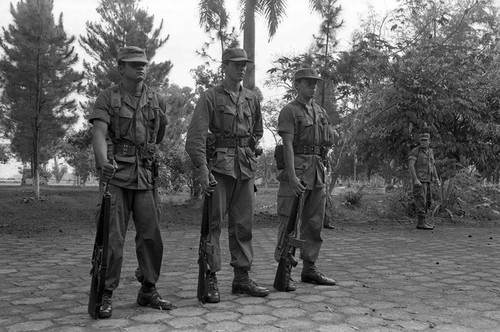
column 425, row 142
column 306, row 87
column 134, row 71
column 235, row 71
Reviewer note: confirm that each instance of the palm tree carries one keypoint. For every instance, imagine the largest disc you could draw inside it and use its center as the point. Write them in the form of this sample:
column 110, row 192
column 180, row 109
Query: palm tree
column 273, row 11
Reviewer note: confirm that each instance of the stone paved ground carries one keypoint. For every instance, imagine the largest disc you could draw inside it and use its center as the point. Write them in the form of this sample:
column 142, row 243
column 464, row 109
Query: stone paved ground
column 390, row 278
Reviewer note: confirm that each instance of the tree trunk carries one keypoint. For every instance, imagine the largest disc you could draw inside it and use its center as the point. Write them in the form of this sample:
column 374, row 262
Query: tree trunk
column 249, row 43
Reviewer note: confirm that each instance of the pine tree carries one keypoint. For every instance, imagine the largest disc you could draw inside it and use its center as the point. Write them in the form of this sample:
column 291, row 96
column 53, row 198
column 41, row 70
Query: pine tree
column 122, row 23
column 38, row 83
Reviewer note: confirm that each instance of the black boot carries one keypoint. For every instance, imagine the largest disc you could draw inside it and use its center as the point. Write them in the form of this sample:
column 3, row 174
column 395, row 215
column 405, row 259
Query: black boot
column 148, row 296
column 310, row 274
column 106, row 308
column 213, row 289
column 422, row 224
column 243, row 284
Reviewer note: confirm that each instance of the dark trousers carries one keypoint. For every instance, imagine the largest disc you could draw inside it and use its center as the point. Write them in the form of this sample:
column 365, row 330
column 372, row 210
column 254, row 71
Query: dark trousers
column 236, row 199
column 423, row 199
column 142, row 206
column 311, row 219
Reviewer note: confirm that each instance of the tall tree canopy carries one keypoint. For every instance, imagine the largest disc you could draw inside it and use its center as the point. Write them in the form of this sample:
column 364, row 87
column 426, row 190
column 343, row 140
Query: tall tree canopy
column 122, row 23
column 272, row 10
column 38, row 82
column 436, row 69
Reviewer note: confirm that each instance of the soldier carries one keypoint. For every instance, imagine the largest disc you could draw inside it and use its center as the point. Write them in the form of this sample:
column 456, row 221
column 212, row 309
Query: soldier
column 128, row 123
column 307, row 136
column 423, row 172
column 228, row 117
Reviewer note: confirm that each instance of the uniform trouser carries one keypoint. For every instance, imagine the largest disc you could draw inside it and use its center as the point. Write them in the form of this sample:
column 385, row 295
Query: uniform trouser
column 311, row 219
column 236, row 197
column 423, row 199
column 148, row 242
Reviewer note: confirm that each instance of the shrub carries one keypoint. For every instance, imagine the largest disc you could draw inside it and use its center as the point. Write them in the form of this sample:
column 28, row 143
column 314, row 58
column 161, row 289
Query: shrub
column 353, row 198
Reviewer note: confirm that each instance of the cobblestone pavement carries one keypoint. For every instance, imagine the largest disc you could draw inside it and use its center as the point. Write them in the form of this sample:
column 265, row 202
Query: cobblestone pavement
column 390, row 278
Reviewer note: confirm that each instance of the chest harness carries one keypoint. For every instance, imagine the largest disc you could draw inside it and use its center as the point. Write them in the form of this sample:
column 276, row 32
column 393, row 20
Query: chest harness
column 124, row 147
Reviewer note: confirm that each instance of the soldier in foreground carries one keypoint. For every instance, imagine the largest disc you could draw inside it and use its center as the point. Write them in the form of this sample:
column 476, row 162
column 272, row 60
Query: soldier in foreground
column 128, row 123
column 221, row 141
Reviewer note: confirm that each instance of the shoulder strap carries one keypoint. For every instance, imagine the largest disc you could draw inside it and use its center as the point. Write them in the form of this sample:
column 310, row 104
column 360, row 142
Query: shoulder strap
column 116, row 104
column 155, row 105
column 219, row 106
column 299, row 128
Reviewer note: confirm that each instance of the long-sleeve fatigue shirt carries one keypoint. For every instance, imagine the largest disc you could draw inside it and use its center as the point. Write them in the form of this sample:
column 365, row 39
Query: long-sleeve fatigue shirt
column 220, row 113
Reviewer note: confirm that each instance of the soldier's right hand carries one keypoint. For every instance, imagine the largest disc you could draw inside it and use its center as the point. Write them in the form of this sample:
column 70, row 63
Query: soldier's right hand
column 206, row 180
column 108, row 170
column 297, row 187
column 417, row 183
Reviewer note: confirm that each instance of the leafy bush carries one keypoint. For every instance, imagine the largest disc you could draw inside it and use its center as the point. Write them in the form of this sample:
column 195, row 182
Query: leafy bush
column 400, row 203
column 352, row 198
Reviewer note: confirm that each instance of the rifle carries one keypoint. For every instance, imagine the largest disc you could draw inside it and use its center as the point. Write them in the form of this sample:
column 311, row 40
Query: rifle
column 286, row 249
column 100, row 256
column 206, row 248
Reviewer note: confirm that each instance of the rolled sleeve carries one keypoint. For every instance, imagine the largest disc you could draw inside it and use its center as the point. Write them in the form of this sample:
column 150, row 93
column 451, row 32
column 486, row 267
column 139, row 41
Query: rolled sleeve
column 286, row 122
column 101, row 109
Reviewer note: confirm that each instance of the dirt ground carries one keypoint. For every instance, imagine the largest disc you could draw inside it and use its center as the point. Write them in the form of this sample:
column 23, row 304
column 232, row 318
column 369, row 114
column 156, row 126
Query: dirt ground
column 71, row 210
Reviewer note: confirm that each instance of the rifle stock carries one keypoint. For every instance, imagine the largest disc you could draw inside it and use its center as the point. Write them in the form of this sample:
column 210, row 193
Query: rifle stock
column 205, row 249
column 100, row 256
column 286, row 249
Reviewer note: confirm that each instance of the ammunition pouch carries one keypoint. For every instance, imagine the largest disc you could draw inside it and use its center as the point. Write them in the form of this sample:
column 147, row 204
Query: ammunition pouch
column 124, row 149
column 147, row 153
column 210, row 148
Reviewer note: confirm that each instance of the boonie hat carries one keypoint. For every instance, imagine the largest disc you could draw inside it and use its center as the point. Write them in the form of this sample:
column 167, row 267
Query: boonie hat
column 306, row 73
column 132, row 54
column 235, row 54
column 424, row 136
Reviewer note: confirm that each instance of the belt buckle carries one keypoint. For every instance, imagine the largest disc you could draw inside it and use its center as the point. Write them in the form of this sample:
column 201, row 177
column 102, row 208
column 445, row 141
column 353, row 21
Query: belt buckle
column 125, row 149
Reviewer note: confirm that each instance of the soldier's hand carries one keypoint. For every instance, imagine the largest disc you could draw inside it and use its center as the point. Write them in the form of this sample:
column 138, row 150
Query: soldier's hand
column 206, row 180
column 417, row 183
column 108, row 170
column 297, row 187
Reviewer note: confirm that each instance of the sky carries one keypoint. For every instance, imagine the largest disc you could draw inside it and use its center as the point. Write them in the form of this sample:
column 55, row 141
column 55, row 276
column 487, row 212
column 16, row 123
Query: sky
column 180, row 22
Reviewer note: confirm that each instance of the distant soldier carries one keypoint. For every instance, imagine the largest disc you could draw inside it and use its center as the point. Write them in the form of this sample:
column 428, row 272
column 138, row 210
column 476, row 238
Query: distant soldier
column 307, row 137
column 423, row 172
column 224, row 131
column 128, row 123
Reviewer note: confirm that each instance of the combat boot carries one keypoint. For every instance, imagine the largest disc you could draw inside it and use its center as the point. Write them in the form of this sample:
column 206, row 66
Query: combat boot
column 310, row 274
column 148, row 296
column 243, row 284
column 106, row 308
column 213, row 289
column 422, row 224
